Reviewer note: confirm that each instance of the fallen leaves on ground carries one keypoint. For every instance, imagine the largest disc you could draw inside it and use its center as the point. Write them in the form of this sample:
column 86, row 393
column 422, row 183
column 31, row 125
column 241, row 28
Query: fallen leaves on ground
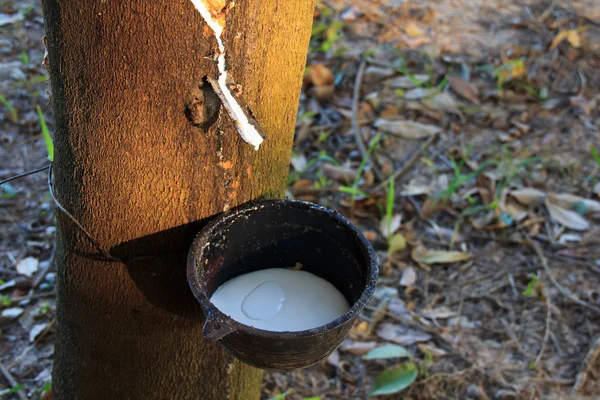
column 395, row 379
column 387, row 351
column 422, row 255
column 407, row 129
column 320, row 75
column 402, row 335
column 28, row 266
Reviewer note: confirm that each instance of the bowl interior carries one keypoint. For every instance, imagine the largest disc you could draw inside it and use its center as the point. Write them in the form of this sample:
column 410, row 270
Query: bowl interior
column 284, row 234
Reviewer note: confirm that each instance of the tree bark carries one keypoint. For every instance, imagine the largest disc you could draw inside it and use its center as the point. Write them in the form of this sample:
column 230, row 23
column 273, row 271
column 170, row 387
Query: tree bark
column 135, row 168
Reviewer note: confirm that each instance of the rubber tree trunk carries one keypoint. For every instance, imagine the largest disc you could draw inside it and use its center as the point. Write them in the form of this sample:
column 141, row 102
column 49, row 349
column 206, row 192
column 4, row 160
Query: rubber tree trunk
column 140, row 166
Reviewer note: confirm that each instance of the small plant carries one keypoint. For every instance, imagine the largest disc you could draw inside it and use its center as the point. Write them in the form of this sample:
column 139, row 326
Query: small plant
column 46, row 134
column 11, row 391
column 459, row 179
column 295, row 175
column 532, row 286
column 30, row 82
column 354, row 190
column 325, row 30
column 595, row 154
column 24, row 57
column 322, row 181
column 282, row 396
column 5, row 301
column 12, row 112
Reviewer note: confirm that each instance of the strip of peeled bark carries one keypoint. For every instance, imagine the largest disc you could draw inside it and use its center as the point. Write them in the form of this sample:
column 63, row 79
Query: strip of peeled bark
column 134, row 167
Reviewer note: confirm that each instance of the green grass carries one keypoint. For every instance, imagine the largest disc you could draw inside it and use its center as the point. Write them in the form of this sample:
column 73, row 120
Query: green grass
column 46, row 133
column 389, row 207
column 509, row 167
column 24, row 58
column 595, row 154
column 353, row 190
column 30, row 82
column 295, row 175
column 325, row 30
column 14, row 117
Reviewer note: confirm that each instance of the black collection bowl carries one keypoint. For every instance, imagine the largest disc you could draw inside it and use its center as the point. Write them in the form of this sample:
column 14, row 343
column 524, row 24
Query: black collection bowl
column 279, row 234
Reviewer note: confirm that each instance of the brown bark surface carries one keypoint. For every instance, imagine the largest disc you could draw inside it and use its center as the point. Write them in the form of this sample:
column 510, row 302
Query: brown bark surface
column 138, row 174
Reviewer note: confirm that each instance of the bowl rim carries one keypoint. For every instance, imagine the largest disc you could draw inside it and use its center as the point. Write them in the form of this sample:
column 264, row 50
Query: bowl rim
column 211, row 312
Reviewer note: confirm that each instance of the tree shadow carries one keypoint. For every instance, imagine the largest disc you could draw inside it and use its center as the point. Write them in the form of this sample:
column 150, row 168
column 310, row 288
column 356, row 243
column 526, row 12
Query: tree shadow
column 157, row 264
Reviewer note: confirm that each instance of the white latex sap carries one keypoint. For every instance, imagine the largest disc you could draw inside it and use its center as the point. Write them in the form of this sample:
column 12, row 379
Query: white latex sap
column 279, row 299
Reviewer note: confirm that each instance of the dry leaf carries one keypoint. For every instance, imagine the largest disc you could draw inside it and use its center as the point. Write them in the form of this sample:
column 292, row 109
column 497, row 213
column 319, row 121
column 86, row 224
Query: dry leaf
column 573, row 38
column 529, row 196
column 398, row 308
column 464, row 89
column 413, row 29
column 36, row 330
column 406, row 82
column 370, row 235
column 409, row 277
column 334, row 359
column 359, row 329
column 513, row 69
column 323, row 93
column 402, row 335
column 397, row 243
column 431, row 349
column 424, row 185
column 388, row 226
column 484, row 220
column 320, row 75
column 299, row 162
column 562, row 35
column 358, row 348
column 338, row 173
column 423, row 255
column 580, row 204
column 442, row 102
column 12, row 313
column 374, row 73
column 28, row 266
column 439, row 313
column 516, row 210
column 432, row 206
column 417, row 93
column 407, row 129
column 416, row 41
column 569, row 237
column 566, row 218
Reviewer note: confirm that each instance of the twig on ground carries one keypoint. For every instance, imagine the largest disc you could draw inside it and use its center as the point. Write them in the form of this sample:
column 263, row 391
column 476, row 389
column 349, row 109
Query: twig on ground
column 37, row 340
column 556, row 344
column 538, row 359
column 513, row 337
column 12, row 381
column 39, row 278
column 564, row 291
column 544, row 15
column 587, row 365
column 409, row 164
column 355, row 127
column 378, row 315
column 32, row 296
